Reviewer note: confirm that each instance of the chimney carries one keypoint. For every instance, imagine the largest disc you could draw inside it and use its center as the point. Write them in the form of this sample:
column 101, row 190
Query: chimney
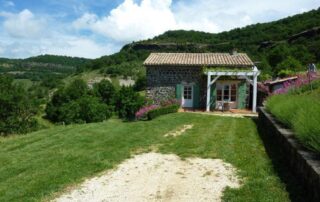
column 234, row 51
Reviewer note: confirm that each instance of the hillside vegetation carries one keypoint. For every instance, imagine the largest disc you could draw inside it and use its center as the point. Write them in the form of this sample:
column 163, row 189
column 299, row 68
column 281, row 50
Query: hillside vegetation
column 290, row 43
column 41, row 67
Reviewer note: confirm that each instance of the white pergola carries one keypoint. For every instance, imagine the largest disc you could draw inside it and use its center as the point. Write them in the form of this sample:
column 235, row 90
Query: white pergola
column 246, row 74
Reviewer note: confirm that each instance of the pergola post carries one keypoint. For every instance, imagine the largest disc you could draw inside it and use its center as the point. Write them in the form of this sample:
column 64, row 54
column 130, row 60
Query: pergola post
column 254, row 97
column 208, row 92
column 254, row 82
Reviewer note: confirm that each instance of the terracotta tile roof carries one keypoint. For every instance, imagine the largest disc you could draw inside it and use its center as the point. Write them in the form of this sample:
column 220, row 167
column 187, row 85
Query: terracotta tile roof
column 199, row 59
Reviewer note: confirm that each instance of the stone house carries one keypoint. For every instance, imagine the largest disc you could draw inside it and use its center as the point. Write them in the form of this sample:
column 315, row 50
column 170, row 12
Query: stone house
column 208, row 81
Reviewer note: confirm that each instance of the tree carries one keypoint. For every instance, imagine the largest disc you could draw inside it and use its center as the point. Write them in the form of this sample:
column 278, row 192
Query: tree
column 17, row 109
column 128, row 103
column 77, row 89
column 106, row 91
column 93, row 110
column 140, row 83
column 289, row 63
column 51, row 82
column 278, row 54
column 78, row 104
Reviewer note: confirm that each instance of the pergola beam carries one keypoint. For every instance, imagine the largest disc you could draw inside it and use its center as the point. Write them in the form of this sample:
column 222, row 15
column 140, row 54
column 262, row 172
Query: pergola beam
column 254, row 73
column 249, row 80
column 214, row 80
column 230, row 73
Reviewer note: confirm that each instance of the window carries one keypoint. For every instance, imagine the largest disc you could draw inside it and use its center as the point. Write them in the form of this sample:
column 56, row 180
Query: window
column 187, row 92
column 227, row 92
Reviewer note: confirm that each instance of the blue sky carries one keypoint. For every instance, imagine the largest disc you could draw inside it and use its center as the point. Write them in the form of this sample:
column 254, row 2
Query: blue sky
column 95, row 28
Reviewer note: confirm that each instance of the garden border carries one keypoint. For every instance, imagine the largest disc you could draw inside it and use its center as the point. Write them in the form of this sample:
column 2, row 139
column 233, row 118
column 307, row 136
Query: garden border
column 304, row 164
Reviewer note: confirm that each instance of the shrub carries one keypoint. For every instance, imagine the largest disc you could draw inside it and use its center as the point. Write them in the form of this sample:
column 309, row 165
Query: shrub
column 301, row 113
column 142, row 113
column 106, row 91
column 307, row 126
column 140, row 83
column 78, row 104
column 289, row 63
column 301, row 82
column 77, row 89
column 170, row 102
column 17, row 108
column 162, row 110
column 285, row 73
column 93, row 110
column 128, row 102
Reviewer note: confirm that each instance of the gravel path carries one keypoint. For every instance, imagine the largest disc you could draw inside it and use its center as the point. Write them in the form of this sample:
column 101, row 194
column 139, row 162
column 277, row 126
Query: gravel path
column 158, row 177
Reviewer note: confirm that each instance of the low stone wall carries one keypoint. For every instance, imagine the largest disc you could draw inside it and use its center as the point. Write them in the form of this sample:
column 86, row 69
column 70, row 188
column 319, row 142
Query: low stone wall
column 160, row 93
column 304, row 164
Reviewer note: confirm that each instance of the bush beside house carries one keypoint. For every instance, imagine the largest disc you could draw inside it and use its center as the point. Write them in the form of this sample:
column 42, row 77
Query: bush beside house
column 152, row 111
column 162, row 110
column 128, row 103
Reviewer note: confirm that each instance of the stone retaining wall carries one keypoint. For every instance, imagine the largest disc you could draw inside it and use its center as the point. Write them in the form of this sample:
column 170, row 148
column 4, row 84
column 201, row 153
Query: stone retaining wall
column 304, row 164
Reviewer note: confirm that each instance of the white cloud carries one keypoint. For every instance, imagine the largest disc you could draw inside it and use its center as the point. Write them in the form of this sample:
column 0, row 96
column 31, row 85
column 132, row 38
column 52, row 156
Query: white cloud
column 23, row 24
column 60, row 44
column 131, row 21
column 80, row 47
column 85, row 21
column 25, row 33
column 135, row 21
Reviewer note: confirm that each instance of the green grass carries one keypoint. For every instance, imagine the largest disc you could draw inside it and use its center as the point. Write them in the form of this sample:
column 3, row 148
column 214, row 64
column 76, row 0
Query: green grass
column 301, row 112
column 39, row 165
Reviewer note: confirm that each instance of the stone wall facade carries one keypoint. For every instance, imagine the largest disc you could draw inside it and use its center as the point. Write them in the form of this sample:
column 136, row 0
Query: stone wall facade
column 162, row 80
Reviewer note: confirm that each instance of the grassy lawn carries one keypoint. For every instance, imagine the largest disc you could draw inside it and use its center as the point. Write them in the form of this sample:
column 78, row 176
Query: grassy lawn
column 38, row 165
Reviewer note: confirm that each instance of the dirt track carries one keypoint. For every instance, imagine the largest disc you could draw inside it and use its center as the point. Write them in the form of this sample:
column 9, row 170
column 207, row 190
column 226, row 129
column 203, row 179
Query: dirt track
column 158, row 177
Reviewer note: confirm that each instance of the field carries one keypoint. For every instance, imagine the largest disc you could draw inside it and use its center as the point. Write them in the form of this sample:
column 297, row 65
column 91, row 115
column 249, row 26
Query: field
column 40, row 165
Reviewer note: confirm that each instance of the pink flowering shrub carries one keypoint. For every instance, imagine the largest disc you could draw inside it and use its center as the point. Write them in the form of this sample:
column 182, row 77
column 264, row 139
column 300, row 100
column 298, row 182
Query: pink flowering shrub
column 170, row 102
column 142, row 113
column 302, row 80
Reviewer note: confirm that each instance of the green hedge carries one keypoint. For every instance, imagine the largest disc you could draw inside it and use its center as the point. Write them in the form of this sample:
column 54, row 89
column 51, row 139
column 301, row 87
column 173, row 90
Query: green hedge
column 162, row 110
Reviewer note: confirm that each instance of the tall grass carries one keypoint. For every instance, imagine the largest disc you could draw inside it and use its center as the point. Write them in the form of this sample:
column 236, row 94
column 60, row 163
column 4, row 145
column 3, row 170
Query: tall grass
column 301, row 112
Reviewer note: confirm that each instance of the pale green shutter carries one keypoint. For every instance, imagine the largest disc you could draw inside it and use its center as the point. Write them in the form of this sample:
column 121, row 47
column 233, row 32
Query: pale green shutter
column 213, row 96
column 196, row 96
column 242, row 88
column 178, row 91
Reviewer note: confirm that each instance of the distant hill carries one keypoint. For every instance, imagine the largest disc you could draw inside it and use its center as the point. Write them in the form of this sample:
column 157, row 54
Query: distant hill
column 60, row 60
column 290, row 43
column 41, row 67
